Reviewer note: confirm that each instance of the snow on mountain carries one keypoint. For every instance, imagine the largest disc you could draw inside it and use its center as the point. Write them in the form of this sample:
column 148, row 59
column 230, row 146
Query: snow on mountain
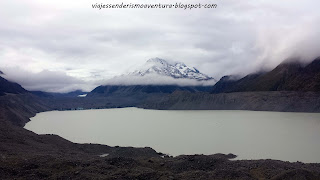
column 177, row 70
column 158, row 71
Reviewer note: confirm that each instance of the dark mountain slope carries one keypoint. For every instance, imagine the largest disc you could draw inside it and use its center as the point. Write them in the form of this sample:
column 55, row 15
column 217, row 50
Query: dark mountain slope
column 229, row 84
column 42, row 94
column 307, row 80
column 10, row 87
column 60, row 95
column 288, row 76
column 115, row 90
column 282, row 101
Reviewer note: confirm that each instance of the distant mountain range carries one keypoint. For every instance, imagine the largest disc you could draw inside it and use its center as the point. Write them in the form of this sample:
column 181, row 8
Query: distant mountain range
column 121, row 90
column 26, row 155
column 176, row 70
column 77, row 93
column 282, row 89
column 164, row 78
column 288, row 76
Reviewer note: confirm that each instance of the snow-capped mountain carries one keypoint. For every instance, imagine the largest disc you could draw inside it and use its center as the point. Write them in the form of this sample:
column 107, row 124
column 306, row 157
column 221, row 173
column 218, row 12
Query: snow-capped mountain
column 176, row 70
column 158, row 71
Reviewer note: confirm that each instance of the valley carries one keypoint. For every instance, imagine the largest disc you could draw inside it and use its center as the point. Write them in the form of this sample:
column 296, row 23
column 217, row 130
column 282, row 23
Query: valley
column 25, row 154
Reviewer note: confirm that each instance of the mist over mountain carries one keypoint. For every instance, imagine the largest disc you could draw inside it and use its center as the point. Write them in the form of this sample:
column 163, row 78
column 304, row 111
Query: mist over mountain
column 46, row 81
column 177, row 70
column 156, row 77
column 59, row 55
column 291, row 75
column 242, row 38
column 10, row 87
column 158, row 71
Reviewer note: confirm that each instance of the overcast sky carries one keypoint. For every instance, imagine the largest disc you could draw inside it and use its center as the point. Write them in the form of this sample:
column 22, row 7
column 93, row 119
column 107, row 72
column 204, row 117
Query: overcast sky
column 59, row 45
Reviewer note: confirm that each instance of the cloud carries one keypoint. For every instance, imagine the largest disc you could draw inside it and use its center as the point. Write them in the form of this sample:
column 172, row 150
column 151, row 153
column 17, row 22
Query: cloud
column 239, row 37
column 155, row 79
column 48, row 81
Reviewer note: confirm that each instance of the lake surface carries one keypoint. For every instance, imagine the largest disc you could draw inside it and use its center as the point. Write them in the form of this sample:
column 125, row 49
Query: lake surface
column 248, row 134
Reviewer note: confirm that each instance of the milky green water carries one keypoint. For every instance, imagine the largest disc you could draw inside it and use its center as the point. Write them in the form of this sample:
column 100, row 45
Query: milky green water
column 248, row 134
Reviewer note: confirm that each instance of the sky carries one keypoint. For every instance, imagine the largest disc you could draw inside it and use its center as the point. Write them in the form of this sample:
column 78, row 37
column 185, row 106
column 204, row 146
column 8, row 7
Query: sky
column 59, row 46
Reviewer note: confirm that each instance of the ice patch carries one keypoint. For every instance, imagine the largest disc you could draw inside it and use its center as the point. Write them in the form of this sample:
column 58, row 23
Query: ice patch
column 104, row 155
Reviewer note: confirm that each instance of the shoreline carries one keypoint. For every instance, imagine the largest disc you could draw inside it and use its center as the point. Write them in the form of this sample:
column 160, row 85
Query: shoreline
column 220, row 121
column 24, row 154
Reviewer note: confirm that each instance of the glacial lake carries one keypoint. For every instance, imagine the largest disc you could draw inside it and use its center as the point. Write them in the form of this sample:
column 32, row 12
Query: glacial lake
column 248, row 134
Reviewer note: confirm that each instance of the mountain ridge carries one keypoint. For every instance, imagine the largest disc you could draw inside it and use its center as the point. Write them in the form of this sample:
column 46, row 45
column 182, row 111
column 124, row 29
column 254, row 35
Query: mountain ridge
column 177, row 70
column 287, row 76
column 10, row 87
column 133, row 90
column 156, row 76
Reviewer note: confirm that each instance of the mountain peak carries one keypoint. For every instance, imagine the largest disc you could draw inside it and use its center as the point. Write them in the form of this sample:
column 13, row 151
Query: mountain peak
column 179, row 64
column 157, row 60
column 177, row 70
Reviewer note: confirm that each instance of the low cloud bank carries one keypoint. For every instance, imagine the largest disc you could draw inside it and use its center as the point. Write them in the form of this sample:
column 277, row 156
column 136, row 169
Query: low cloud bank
column 48, row 81
column 60, row 82
column 153, row 79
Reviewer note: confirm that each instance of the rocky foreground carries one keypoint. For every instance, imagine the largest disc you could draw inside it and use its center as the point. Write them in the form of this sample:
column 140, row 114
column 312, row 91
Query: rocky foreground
column 26, row 155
